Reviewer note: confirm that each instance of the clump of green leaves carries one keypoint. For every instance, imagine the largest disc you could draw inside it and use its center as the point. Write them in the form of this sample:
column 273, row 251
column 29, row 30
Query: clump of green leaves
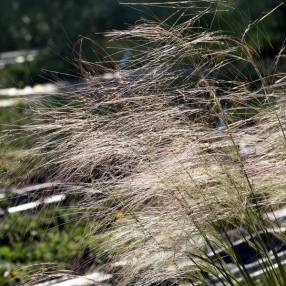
column 51, row 236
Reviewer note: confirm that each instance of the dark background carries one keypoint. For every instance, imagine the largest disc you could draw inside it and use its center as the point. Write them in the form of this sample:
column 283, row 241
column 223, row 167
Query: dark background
column 55, row 27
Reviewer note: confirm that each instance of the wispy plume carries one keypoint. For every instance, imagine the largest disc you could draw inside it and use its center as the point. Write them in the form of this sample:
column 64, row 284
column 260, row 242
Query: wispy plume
column 147, row 142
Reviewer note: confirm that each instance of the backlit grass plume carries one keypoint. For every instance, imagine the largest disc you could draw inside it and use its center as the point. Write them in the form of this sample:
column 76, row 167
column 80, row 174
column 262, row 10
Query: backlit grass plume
column 178, row 153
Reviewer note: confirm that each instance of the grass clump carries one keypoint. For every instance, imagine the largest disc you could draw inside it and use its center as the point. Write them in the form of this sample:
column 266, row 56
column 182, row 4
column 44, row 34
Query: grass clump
column 43, row 238
column 171, row 190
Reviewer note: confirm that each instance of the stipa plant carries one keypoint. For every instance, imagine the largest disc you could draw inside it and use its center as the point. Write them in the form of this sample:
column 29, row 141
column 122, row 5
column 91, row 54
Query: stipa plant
column 181, row 156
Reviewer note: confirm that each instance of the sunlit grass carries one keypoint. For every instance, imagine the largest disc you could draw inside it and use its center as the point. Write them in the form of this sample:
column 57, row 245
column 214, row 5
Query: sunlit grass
column 171, row 190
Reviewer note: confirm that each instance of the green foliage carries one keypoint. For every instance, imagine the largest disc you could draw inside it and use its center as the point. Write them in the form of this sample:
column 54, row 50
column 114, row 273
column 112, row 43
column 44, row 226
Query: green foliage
column 11, row 151
column 49, row 237
column 12, row 116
